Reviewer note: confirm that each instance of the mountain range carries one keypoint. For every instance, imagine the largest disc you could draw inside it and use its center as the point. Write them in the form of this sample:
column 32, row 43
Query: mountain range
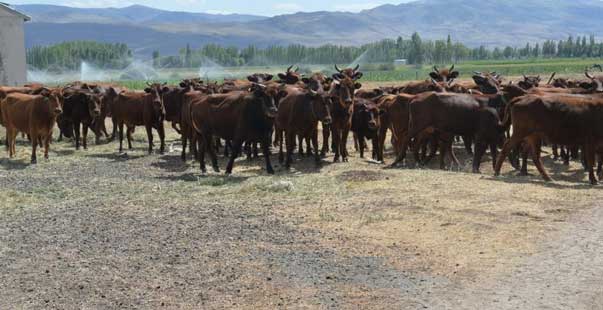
column 473, row 22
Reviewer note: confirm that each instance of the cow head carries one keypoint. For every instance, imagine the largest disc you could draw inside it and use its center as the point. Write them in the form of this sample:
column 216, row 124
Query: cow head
column 260, row 77
column 54, row 98
column 320, row 104
column 488, row 83
column 444, row 75
column 368, row 113
column 342, row 90
column 529, row 82
column 352, row 73
column 156, row 91
column 265, row 97
column 596, row 85
column 290, row 76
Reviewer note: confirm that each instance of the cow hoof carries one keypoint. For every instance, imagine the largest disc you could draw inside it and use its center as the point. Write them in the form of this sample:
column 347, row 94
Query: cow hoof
column 34, row 161
column 476, row 171
column 270, row 170
column 523, row 173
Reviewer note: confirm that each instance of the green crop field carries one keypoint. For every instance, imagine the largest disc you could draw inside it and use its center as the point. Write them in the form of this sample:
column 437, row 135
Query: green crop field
column 375, row 72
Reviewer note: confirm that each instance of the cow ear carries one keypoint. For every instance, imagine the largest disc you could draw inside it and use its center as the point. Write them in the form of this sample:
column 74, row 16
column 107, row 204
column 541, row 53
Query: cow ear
column 453, row 75
column 434, row 75
column 357, row 85
column 148, row 90
column 381, row 111
column 282, row 76
column 269, row 77
column 252, row 78
column 306, row 80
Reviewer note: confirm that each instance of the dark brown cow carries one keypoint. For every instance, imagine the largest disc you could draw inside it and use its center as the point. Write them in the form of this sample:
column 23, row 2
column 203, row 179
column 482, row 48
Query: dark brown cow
column 298, row 115
column 242, row 116
column 290, row 76
column 529, row 82
column 81, row 107
column 141, row 109
column 559, row 119
column 31, row 114
column 371, row 94
column 418, row 87
column 488, row 82
column 366, row 124
column 454, row 114
column 444, row 75
column 342, row 108
column 352, row 73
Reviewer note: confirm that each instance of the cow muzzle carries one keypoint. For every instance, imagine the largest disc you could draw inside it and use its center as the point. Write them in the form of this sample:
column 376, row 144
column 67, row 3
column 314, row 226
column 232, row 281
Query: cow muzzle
column 372, row 125
column 327, row 121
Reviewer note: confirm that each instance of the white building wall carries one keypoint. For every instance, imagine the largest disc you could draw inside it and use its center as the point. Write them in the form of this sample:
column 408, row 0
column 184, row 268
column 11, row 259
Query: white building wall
column 12, row 49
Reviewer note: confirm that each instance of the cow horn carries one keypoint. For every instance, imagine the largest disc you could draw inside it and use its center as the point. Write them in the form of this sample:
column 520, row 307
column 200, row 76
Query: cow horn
column 598, row 66
column 435, row 69
column 525, row 77
column 357, row 67
column 289, row 69
column 451, row 68
column 588, row 74
column 149, row 84
column 337, row 68
column 297, row 69
column 477, row 73
column 551, row 79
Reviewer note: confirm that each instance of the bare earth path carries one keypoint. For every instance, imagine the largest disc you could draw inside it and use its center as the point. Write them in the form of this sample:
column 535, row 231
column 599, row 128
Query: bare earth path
column 97, row 229
column 567, row 274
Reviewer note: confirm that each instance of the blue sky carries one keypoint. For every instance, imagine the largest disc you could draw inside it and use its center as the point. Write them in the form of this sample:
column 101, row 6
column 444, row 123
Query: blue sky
column 257, row 7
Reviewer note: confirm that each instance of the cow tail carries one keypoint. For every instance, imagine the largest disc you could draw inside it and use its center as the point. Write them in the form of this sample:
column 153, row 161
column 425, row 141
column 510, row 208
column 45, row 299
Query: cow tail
column 507, row 120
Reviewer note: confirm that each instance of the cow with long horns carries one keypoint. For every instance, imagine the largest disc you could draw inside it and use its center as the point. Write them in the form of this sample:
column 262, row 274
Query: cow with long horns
column 444, row 75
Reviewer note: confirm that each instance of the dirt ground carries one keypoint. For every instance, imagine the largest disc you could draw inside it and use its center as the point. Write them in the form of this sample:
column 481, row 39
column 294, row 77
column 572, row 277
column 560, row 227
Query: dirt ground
column 96, row 229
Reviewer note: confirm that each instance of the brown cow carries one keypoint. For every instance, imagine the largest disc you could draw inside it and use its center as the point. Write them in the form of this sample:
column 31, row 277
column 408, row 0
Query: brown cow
column 559, row 119
column 454, row 114
column 444, row 75
column 290, row 76
column 80, row 106
column 298, row 115
column 32, row 114
column 141, row 109
column 342, row 108
column 366, row 124
column 242, row 116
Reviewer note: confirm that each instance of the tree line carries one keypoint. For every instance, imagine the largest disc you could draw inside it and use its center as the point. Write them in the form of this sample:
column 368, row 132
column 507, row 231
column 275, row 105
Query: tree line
column 69, row 55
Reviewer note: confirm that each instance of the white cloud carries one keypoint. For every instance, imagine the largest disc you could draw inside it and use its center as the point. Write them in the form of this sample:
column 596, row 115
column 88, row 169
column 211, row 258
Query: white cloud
column 356, row 7
column 287, row 7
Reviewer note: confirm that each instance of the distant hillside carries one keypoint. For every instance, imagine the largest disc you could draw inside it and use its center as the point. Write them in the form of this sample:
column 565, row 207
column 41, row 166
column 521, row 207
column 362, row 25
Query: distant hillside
column 473, row 22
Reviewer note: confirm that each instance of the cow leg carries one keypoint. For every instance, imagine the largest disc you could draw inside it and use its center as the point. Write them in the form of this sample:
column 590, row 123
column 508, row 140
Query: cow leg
column 121, row 137
column 34, row 146
column 565, row 155
column 11, row 135
column 47, row 144
column 149, row 130
column 468, row 141
column 356, row 142
column 85, row 136
column 279, row 139
column 290, row 146
column 76, row 127
column 265, row 144
column 453, row 155
column 600, row 165
column 480, row 149
column 308, row 147
column 359, row 139
column 161, row 133
column 184, row 140
column 315, row 147
column 534, row 143
column 237, row 143
column 336, row 142
column 555, row 148
column 343, row 144
column 212, row 153
column 129, row 136
column 507, row 147
column 493, row 153
column 443, row 152
column 300, row 140
column 203, row 146
column 382, row 134
column 326, row 131
column 589, row 155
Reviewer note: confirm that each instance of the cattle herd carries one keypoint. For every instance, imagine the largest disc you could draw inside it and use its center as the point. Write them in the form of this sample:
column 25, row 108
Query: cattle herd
column 237, row 116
